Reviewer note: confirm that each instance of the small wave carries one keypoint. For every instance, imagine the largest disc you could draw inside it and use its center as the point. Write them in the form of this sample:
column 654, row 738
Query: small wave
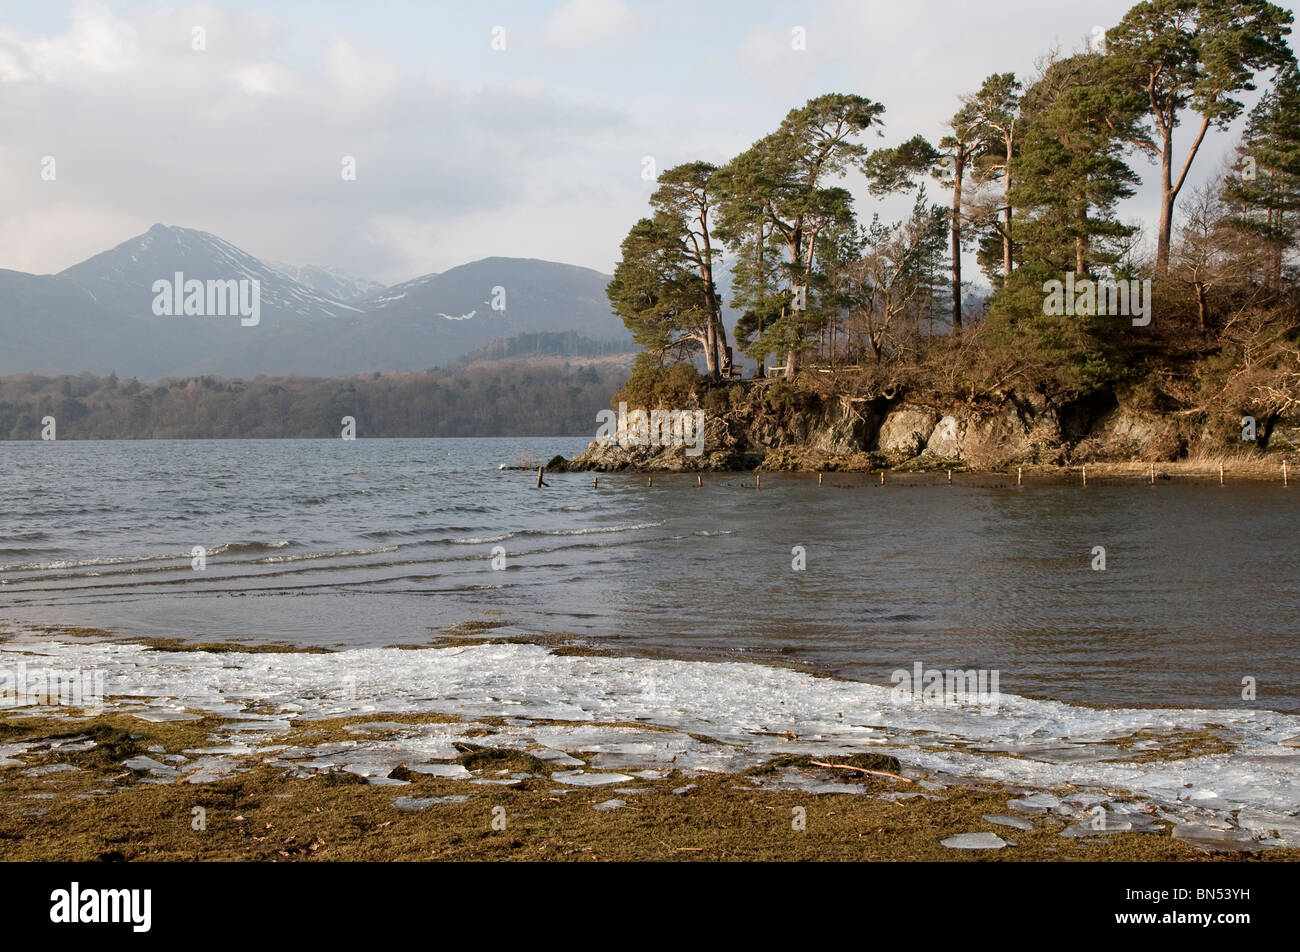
column 249, row 547
column 82, row 563
column 342, row 553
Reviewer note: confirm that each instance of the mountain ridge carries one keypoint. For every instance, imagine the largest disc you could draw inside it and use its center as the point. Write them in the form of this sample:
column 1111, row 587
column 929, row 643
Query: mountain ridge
column 98, row 315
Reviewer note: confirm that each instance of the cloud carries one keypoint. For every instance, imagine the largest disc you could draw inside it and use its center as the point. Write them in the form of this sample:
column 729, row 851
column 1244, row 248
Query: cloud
column 583, row 24
column 247, row 139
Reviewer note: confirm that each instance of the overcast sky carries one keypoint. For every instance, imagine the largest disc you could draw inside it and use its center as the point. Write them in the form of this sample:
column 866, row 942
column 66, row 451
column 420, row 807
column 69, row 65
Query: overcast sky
column 461, row 151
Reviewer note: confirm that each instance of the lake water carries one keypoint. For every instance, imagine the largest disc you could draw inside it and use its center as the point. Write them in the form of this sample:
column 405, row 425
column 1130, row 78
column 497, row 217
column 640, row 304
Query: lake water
column 379, row 542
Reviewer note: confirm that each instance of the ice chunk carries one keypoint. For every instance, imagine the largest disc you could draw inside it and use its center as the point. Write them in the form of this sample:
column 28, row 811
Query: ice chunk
column 579, row 778
column 453, row 771
column 50, row 769
column 1017, row 822
column 1266, row 822
column 610, row 805
column 154, row 767
column 974, row 841
column 1207, row 838
column 552, row 756
column 1038, row 803
column 415, row 804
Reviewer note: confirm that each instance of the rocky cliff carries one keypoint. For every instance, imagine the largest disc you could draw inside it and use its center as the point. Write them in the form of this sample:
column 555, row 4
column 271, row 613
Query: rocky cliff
column 772, row 425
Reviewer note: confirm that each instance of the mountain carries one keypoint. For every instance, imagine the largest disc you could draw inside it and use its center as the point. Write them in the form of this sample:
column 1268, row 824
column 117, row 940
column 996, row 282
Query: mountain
column 328, row 282
column 99, row 315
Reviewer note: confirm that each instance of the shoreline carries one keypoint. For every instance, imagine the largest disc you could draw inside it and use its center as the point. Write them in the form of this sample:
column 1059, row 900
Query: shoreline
column 937, row 472
column 285, row 737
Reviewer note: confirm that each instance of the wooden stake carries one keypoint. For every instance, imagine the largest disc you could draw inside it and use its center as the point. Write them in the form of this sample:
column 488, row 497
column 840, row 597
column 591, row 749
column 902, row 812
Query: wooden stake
column 882, row 477
column 758, row 480
column 950, row 477
column 1284, row 482
column 649, row 480
column 595, row 481
column 1020, row 475
column 699, row 480
column 539, row 477
column 1153, row 474
column 819, row 477
column 1220, row 474
column 1085, row 477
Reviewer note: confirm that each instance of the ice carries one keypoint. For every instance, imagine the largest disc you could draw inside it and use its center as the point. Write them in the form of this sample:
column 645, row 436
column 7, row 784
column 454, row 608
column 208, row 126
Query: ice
column 1017, row 822
column 975, row 841
column 415, row 804
column 1038, row 803
column 154, row 767
column 1098, row 825
column 453, row 771
column 160, row 717
column 1206, row 838
column 610, row 805
column 743, row 709
column 559, row 757
column 579, row 778
column 49, row 769
column 1288, row 827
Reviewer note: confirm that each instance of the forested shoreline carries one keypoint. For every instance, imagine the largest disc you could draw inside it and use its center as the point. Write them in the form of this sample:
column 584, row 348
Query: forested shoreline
column 864, row 318
column 512, row 398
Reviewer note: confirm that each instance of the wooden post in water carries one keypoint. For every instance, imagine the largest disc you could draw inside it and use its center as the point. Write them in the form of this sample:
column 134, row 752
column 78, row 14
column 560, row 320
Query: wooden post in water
column 758, row 480
column 699, row 480
column 1284, row 482
column 595, row 481
column 949, row 477
column 539, row 477
column 1020, row 475
column 1085, row 477
column 1153, row 474
column 819, row 477
column 1220, row 474
column 882, row 477
column 649, row 480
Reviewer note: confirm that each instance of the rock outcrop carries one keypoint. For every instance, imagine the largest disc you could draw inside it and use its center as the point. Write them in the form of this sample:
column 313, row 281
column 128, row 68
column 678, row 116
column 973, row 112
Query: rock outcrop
column 776, row 429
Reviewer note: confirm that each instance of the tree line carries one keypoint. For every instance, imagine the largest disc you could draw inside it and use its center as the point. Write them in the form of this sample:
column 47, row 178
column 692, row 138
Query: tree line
column 502, row 399
column 1033, row 170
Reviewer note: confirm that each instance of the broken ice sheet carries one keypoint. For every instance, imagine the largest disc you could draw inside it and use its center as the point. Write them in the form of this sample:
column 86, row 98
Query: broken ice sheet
column 1264, row 821
column 1017, row 822
column 579, row 778
column 610, row 805
column 1207, row 838
column 152, row 766
column 415, row 804
column 451, row 771
column 1038, row 803
column 974, row 841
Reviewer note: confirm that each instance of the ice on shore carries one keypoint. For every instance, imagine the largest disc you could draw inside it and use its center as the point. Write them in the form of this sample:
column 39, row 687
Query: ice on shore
column 699, row 716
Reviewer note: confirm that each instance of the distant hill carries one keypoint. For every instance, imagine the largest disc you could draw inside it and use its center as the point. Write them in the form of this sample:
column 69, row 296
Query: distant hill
column 97, row 316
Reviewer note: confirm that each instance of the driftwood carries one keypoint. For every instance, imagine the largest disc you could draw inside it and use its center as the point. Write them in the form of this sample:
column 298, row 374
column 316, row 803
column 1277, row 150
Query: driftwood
column 874, row 773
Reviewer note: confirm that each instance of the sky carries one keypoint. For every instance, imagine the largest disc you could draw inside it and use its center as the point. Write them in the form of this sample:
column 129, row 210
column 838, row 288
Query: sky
column 475, row 128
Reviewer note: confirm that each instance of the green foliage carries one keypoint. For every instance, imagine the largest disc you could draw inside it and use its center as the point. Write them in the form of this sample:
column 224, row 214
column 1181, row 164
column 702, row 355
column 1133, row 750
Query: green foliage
column 653, row 385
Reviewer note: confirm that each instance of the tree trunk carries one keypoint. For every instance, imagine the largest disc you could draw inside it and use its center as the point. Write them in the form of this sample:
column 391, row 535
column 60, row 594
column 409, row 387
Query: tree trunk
column 1200, row 305
column 1006, row 215
column 958, row 174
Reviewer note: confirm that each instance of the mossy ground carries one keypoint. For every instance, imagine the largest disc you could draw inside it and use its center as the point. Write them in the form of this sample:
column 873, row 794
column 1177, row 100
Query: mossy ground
column 264, row 814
